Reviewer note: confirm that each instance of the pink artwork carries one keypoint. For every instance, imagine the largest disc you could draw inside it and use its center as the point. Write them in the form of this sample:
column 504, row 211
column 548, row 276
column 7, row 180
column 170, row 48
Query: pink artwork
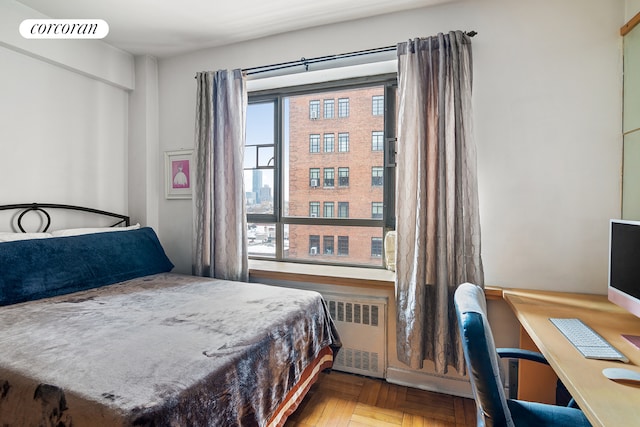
column 180, row 174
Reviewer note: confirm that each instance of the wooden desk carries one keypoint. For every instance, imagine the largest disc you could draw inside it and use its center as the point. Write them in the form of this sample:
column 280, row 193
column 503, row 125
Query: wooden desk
column 604, row 402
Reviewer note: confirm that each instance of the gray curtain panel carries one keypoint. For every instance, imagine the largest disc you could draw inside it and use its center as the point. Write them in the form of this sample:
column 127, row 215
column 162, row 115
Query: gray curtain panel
column 220, row 222
column 438, row 224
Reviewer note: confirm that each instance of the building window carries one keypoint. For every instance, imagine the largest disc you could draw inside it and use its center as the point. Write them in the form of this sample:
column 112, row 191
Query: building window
column 343, row 209
column 314, row 209
column 343, row 177
column 327, row 242
column 378, row 105
column 314, row 143
column 343, row 142
column 343, row 245
column 329, row 109
column 343, row 107
column 328, row 210
column 314, row 177
column 314, row 109
column 377, row 176
column 376, row 210
column 286, row 217
column 377, row 140
column 314, row 244
column 329, row 177
column 376, row 247
column 329, row 142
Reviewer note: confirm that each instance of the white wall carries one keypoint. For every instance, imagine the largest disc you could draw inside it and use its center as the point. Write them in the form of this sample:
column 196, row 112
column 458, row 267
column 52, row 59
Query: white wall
column 63, row 119
column 547, row 99
column 144, row 152
column 632, row 7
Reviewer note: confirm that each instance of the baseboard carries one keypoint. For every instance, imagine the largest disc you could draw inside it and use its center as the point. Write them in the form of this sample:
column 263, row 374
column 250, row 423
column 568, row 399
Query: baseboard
column 456, row 386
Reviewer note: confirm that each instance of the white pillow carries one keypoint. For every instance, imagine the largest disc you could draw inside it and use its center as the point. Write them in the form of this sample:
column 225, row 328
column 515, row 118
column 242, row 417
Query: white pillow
column 78, row 231
column 10, row 237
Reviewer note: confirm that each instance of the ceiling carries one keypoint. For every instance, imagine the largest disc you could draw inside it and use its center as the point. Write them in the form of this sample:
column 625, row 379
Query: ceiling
column 168, row 27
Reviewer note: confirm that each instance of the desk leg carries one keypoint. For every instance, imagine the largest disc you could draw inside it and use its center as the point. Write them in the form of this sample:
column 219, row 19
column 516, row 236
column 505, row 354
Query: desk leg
column 536, row 382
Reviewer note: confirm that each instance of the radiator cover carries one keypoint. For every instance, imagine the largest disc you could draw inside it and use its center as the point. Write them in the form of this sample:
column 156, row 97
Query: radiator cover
column 362, row 324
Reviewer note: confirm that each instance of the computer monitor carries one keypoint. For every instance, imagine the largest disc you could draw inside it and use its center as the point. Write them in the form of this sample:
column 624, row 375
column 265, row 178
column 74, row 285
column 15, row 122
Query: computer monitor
column 624, row 264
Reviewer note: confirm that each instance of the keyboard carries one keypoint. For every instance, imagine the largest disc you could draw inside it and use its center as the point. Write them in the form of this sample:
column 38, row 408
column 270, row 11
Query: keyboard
column 586, row 340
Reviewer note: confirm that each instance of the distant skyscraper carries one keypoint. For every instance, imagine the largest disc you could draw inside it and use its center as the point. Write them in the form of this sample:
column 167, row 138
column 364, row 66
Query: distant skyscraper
column 257, row 184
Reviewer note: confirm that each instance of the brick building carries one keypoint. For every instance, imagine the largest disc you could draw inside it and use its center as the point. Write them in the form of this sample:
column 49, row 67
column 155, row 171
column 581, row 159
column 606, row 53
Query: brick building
column 336, row 159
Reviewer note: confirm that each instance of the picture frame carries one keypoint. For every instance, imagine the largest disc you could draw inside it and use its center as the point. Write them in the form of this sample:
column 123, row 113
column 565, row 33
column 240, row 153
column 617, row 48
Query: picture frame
column 178, row 174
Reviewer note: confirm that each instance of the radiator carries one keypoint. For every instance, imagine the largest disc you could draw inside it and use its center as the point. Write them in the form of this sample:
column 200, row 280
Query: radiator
column 361, row 322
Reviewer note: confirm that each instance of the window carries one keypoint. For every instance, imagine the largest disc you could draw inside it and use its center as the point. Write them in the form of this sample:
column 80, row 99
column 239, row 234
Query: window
column 299, row 195
column 314, row 143
column 343, row 142
column 376, row 247
column 376, row 210
column 343, row 245
column 377, row 176
column 343, row 107
column 343, row 209
column 343, row 177
column 327, row 242
column 314, row 109
column 314, row 245
column 328, row 209
column 329, row 109
column 377, row 140
column 378, row 105
column 329, row 142
column 314, row 177
column 329, row 177
column 314, row 209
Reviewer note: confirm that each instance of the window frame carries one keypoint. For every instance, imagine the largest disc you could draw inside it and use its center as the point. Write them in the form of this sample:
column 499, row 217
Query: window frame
column 314, row 209
column 329, row 102
column 326, row 138
column 325, row 240
column 375, row 207
column 277, row 217
column 375, row 178
column 377, row 242
column 340, row 248
column 315, row 238
column 343, row 142
column 377, row 140
column 343, row 210
column 328, row 174
column 314, row 143
column 377, row 107
column 314, row 107
column 326, row 207
column 343, row 107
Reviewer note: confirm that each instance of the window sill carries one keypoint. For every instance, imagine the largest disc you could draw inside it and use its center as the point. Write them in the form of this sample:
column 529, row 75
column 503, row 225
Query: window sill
column 326, row 274
column 362, row 277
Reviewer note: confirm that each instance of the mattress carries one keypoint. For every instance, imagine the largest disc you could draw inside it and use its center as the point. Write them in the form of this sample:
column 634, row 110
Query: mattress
column 162, row 350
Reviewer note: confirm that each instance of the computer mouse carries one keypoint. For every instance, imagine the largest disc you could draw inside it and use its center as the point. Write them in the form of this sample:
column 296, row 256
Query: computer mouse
column 622, row 375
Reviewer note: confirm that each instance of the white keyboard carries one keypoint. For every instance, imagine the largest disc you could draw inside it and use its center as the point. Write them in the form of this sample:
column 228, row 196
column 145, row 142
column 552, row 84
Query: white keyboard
column 586, row 340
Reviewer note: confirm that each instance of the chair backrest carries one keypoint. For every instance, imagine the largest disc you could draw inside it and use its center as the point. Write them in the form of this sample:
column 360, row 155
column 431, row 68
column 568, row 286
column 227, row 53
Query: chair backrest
column 480, row 356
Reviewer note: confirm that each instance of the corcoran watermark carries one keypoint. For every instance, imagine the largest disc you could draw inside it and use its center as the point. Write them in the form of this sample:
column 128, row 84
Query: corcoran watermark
column 64, row 29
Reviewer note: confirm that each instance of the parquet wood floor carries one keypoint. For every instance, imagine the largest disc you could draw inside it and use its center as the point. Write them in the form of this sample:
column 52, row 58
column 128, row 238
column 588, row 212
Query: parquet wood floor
column 341, row 399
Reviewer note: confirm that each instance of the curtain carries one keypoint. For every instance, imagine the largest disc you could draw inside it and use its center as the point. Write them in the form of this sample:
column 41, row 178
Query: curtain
column 438, row 224
column 220, row 222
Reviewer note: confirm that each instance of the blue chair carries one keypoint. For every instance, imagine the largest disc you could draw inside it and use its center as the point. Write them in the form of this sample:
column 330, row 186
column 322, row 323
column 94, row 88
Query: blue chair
column 481, row 356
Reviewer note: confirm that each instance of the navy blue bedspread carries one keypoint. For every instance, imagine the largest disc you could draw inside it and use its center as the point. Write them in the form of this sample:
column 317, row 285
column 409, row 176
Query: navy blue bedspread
column 41, row 268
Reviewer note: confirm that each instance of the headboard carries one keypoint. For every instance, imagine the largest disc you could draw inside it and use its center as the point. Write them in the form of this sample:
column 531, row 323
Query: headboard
column 24, row 208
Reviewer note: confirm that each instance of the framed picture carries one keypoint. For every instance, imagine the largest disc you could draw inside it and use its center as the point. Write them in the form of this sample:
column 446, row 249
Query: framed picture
column 177, row 170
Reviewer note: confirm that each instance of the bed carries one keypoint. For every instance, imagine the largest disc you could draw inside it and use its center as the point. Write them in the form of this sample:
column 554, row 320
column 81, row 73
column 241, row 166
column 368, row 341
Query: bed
column 95, row 330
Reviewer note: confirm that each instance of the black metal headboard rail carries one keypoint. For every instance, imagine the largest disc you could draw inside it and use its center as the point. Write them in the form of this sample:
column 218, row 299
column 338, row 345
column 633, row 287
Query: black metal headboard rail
column 40, row 207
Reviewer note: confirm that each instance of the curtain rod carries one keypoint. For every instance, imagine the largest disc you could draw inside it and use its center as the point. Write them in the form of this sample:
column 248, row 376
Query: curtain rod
column 307, row 61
